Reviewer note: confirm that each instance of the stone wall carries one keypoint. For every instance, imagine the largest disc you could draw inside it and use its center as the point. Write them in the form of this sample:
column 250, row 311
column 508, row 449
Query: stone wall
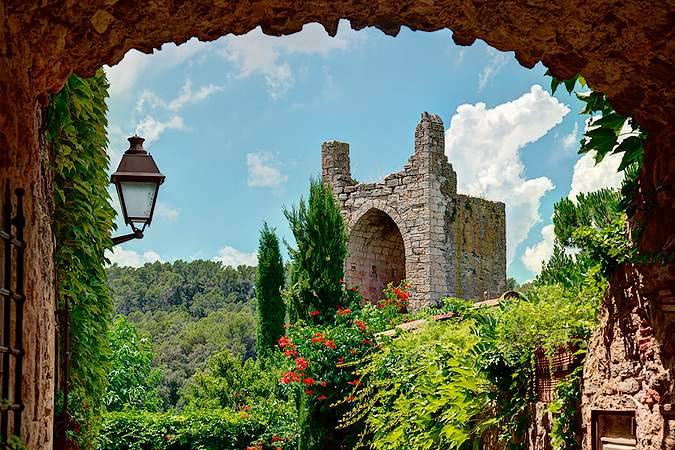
column 413, row 224
column 629, row 367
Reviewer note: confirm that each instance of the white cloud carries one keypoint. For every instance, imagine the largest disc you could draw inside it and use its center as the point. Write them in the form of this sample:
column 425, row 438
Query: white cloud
column 484, row 147
column 130, row 258
column 497, row 61
column 188, row 96
column 123, row 75
column 570, row 140
column 167, row 212
column 230, row 256
column 258, row 54
column 151, row 129
column 534, row 256
column 588, row 177
column 263, row 170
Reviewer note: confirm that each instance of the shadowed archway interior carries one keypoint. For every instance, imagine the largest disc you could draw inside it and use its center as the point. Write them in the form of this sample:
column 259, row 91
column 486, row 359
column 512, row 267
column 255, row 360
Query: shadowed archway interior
column 376, row 254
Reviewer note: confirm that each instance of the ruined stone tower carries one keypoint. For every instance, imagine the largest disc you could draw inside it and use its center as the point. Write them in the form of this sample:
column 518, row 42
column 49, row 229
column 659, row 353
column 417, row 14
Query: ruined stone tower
column 414, row 225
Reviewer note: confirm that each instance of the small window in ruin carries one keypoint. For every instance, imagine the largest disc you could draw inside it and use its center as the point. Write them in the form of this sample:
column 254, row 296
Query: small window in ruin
column 353, row 267
column 613, row 430
column 374, row 269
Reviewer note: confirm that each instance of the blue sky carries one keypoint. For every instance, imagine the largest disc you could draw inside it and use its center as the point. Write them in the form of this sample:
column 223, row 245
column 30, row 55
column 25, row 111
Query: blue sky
column 236, row 125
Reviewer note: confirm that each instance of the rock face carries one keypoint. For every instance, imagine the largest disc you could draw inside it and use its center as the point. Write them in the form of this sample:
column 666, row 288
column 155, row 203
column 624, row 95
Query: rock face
column 624, row 49
column 414, row 225
column 628, row 375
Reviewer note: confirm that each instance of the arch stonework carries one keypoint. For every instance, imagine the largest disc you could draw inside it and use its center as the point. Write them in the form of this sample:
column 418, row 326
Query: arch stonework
column 378, row 251
column 620, row 49
column 455, row 245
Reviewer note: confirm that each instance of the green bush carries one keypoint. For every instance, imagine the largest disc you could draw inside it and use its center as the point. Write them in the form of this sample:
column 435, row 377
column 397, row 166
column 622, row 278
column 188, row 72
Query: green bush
column 424, row 390
column 265, row 427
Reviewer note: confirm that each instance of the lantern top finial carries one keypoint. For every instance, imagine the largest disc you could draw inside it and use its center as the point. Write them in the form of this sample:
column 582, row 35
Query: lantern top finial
column 136, row 145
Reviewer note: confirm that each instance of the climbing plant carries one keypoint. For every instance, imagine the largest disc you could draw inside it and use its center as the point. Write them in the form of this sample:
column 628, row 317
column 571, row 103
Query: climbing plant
column 75, row 133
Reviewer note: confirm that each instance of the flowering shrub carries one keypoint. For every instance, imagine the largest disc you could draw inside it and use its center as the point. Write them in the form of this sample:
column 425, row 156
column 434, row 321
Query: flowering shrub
column 322, row 354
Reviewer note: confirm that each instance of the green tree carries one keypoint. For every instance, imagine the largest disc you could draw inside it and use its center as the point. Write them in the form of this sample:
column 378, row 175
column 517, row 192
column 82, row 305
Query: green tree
column 132, row 383
column 318, row 260
column 269, row 284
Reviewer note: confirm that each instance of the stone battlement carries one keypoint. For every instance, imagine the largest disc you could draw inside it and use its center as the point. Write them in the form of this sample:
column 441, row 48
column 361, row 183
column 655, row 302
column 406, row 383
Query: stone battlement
column 414, row 225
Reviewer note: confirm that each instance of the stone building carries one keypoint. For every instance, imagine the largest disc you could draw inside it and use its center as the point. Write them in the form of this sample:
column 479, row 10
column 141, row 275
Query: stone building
column 414, row 225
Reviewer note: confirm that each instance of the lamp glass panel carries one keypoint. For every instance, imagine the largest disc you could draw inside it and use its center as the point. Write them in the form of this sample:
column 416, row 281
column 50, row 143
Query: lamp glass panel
column 139, row 196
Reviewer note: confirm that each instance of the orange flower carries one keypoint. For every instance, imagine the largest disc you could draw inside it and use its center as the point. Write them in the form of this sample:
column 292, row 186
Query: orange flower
column 343, row 311
column 360, row 324
column 330, row 344
column 301, row 363
column 284, row 342
column 318, row 337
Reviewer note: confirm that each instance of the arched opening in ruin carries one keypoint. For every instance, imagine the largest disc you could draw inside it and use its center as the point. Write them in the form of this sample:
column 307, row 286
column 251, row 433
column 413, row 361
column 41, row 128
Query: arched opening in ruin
column 376, row 254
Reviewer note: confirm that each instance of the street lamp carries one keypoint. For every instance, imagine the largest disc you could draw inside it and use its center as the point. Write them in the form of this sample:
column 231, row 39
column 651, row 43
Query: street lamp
column 137, row 181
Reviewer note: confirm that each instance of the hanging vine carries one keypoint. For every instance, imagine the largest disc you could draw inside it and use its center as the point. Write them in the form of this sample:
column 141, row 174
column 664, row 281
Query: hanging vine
column 75, row 132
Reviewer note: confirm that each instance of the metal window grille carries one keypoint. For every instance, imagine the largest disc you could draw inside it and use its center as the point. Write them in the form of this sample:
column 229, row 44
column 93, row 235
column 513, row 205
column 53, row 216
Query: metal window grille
column 12, row 248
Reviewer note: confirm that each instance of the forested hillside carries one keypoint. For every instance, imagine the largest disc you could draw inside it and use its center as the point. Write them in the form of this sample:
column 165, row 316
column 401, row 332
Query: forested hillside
column 190, row 310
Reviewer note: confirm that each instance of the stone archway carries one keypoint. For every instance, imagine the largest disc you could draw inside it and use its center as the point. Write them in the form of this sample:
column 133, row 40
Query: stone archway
column 376, row 254
column 620, row 50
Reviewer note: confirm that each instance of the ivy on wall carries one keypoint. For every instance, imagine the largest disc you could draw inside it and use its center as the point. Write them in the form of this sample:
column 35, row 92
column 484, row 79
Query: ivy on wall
column 75, row 133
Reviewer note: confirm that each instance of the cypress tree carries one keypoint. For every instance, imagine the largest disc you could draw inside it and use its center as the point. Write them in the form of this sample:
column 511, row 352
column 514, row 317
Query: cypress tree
column 318, row 260
column 269, row 283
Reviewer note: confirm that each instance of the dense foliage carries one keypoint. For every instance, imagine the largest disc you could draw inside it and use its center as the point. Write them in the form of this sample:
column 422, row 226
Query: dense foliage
column 317, row 261
column 75, row 132
column 269, row 284
column 190, row 310
column 424, row 390
column 198, row 287
column 132, row 383
column 260, row 427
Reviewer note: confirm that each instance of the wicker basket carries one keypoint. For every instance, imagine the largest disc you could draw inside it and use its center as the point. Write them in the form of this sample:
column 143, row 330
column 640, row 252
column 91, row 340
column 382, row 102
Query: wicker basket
column 550, row 371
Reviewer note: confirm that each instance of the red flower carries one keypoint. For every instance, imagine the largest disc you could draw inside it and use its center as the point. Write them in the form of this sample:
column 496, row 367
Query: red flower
column 366, row 341
column 343, row 311
column 284, row 341
column 360, row 324
column 330, row 344
column 354, row 382
column 276, row 439
column 314, row 313
column 321, row 397
column 351, row 398
column 301, row 363
column 340, row 361
column 290, row 353
column 247, row 408
column 309, row 392
column 323, row 383
column 352, row 351
column 318, row 337
column 289, row 377
column 309, row 381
